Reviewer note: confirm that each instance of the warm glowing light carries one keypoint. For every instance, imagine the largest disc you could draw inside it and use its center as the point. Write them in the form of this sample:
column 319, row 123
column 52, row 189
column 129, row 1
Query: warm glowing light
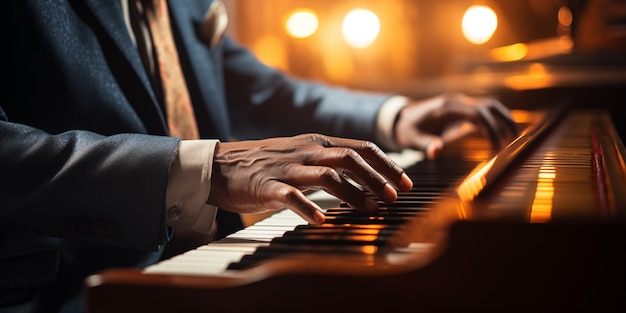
column 526, row 116
column 360, row 28
column 271, row 50
column 474, row 183
column 339, row 65
column 547, row 172
column 302, row 23
column 536, row 78
column 537, row 70
column 369, row 249
column 479, row 23
column 512, row 52
column 541, row 209
column 566, row 44
column 565, row 16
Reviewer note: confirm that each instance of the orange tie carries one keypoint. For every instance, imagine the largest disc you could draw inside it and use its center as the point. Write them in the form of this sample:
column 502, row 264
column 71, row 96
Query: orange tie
column 180, row 116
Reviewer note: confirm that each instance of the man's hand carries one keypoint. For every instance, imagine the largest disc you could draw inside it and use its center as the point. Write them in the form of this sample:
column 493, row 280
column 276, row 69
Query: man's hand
column 272, row 174
column 429, row 124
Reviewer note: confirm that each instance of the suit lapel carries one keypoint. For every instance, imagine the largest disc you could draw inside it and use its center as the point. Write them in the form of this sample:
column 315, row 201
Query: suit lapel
column 205, row 79
column 108, row 15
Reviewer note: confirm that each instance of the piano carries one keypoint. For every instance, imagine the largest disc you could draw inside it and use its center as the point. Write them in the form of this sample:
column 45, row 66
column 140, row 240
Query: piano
column 539, row 225
column 536, row 226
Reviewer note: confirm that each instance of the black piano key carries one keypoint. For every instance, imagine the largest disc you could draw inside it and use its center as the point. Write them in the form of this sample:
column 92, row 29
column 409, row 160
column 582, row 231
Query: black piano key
column 403, row 209
column 380, row 214
column 394, row 207
column 262, row 254
column 406, row 205
column 332, row 231
column 367, row 219
column 421, row 192
column 408, row 200
column 250, row 260
column 282, row 248
column 332, row 240
column 339, row 227
column 397, row 204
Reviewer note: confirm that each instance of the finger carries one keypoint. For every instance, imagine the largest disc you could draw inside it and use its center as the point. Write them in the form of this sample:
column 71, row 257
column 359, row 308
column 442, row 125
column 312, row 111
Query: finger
column 503, row 114
column 488, row 113
column 377, row 158
column 459, row 130
column 434, row 148
column 331, row 181
column 491, row 126
column 430, row 144
column 355, row 167
column 501, row 120
column 286, row 196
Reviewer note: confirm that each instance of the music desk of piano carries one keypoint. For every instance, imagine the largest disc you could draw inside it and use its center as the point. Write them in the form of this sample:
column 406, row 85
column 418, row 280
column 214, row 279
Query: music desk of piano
column 537, row 226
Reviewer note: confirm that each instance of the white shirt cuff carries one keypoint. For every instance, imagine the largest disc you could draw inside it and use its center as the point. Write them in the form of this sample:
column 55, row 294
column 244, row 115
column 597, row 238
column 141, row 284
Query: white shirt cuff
column 189, row 185
column 386, row 121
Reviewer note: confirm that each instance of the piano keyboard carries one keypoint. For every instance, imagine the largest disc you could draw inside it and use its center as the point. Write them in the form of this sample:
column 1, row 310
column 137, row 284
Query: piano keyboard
column 213, row 259
column 429, row 250
column 345, row 231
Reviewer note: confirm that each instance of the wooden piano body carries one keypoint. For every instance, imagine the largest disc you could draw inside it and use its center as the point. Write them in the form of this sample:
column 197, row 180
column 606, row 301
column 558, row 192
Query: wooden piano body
column 486, row 267
column 539, row 226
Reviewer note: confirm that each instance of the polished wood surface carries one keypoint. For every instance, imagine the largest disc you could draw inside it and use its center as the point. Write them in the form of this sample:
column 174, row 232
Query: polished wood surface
column 476, row 250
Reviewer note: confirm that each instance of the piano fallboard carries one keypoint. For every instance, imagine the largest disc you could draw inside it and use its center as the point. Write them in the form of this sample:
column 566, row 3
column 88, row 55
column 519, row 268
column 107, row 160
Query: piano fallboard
column 546, row 232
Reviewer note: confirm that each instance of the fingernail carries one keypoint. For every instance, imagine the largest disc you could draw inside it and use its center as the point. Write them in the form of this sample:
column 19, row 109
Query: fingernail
column 407, row 183
column 390, row 193
column 433, row 149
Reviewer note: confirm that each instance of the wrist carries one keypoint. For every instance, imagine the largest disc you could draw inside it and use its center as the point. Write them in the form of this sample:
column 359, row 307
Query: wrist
column 386, row 122
column 189, row 182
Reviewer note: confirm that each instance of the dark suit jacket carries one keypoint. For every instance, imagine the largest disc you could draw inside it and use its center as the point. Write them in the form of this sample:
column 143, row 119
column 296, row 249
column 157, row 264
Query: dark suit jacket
column 82, row 174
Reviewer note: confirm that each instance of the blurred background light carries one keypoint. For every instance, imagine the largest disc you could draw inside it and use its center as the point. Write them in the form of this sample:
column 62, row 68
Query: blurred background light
column 272, row 51
column 479, row 23
column 360, row 28
column 302, row 23
column 382, row 45
column 509, row 53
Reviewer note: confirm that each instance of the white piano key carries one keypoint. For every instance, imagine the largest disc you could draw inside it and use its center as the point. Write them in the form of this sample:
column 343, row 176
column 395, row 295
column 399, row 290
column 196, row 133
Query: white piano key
column 201, row 261
column 223, row 246
column 214, row 258
column 260, row 237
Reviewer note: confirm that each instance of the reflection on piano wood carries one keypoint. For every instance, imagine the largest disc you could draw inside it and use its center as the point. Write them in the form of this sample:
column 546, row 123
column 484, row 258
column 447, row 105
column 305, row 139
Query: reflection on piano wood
column 537, row 226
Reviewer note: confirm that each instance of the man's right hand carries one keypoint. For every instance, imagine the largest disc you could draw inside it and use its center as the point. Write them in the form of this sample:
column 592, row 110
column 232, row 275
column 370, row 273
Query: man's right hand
column 273, row 174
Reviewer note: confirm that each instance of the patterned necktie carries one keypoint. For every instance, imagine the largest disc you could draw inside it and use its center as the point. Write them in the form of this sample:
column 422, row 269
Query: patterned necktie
column 180, row 116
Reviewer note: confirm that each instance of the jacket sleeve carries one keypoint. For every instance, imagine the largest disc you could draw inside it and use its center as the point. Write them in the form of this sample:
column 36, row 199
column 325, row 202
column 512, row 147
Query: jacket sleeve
column 268, row 102
column 81, row 185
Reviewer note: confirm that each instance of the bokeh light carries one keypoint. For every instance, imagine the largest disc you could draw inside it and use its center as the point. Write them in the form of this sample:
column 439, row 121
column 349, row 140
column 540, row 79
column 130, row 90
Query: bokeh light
column 360, row 28
column 479, row 23
column 302, row 23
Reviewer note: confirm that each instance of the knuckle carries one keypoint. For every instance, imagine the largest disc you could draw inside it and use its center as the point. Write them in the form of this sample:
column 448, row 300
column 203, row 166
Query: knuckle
column 288, row 194
column 350, row 155
column 308, row 136
column 371, row 146
column 328, row 175
column 314, row 138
